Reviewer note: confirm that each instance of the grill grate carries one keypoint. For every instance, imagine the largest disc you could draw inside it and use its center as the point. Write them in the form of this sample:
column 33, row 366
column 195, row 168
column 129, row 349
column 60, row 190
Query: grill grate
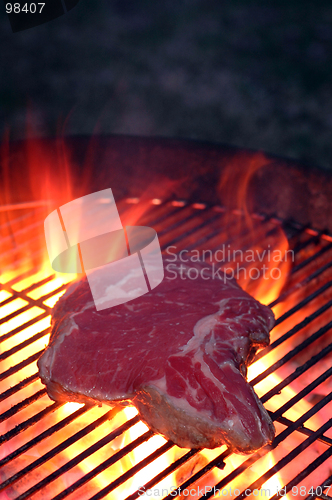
column 53, row 451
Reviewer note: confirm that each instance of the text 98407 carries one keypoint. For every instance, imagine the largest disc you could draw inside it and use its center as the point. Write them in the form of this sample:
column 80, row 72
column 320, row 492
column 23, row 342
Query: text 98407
column 28, row 8
column 25, row 14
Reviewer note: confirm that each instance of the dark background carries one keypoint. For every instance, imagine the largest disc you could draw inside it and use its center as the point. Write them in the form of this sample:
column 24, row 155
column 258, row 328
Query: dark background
column 246, row 73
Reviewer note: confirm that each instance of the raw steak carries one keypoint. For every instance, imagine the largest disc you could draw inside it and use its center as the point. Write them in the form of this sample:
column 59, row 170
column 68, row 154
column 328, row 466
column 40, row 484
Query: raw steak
column 179, row 353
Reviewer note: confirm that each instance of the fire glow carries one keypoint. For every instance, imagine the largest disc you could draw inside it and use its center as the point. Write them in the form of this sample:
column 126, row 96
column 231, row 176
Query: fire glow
column 108, row 452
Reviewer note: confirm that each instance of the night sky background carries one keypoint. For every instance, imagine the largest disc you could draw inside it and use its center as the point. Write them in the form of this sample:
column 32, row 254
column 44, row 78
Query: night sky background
column 254, row 74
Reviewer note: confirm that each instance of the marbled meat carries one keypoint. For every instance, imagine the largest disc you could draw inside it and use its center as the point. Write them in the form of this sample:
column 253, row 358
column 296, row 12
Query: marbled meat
column 178, row 353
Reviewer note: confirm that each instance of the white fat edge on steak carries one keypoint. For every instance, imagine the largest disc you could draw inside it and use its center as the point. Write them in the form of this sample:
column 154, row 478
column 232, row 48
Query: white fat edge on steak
column 204, row 327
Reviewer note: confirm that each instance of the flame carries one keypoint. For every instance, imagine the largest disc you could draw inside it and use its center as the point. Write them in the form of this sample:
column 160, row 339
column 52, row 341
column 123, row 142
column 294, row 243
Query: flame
column 260, row 270
column 235, row 181
column 56, row 185
column 26, row 266
column 46, row 178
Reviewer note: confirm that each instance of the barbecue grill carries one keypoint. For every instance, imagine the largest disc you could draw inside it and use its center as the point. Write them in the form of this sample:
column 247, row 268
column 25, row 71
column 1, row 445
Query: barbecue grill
column 51, row 450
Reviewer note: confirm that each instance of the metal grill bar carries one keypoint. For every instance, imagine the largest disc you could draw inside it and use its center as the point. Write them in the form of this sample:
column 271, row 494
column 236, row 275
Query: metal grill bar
column 26, row 343
column 307, row 261
column 303, row 283
column 30, row 422
column 191, row 226
column 112, row 486
column 21, row 365
column 23, row 404
column 303, row 430
column 54, row 428
column 156, row 454
column 303, row 303
column 16, row 313
column 303, row 393
column 295, row 351
column 255, row 458
column 25, row 274
column 65, row 444
column 294, row 330
column 18, row 386
column 288, row 459
column 248, row 463
column 314, row 239
column 308, row 470
column 75, row 461
column 24, row 326
column 174, row 466
column 322, row 486
column 296, row 374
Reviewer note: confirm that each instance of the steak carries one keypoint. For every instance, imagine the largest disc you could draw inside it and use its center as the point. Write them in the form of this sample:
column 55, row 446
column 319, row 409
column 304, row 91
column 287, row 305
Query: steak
column 179, row 353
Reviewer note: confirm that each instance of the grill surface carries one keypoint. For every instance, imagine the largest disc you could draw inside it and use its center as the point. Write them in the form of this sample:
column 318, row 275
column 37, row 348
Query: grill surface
column 53, row 451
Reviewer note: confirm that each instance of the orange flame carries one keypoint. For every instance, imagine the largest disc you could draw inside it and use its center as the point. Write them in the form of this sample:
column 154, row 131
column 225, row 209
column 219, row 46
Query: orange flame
column 49, row 178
